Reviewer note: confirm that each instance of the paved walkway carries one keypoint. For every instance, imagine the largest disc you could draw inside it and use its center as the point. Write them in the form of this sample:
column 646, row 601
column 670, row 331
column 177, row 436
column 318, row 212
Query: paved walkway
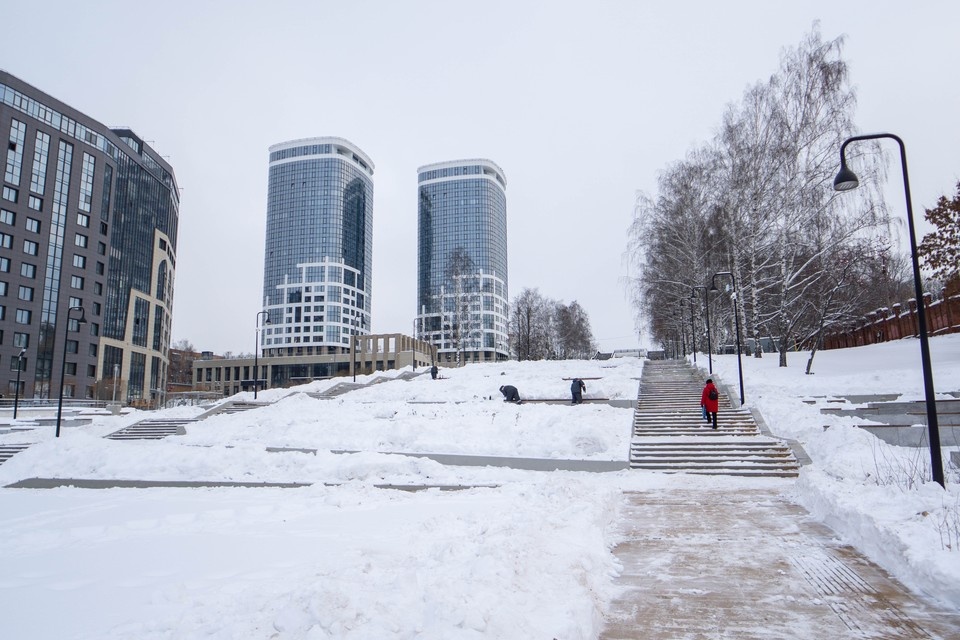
column 749, row 564
column 753, row 565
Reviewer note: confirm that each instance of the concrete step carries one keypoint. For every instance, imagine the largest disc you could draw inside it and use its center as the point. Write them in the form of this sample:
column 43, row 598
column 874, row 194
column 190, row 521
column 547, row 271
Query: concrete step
column 670, row 434
column 7, row 451
column 152, row 429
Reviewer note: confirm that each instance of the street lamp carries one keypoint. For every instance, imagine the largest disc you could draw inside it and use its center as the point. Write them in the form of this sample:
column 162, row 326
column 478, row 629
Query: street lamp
column 736, row 322
column 678, row 319
column 256, row 353
column 693, row 328
column 353, row 356
column 63, row 363
column 706, row 306
column 16, row 393
column 847, row 180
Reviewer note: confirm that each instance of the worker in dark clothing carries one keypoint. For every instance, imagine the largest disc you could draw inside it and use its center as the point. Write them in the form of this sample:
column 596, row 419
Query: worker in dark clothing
column 510, row 393
column 577, row 388
column 433, row 372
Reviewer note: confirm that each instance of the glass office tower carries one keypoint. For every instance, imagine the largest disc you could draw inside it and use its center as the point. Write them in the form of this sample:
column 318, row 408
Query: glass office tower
column 88, row 237
column 318, row 257
column 462, row 296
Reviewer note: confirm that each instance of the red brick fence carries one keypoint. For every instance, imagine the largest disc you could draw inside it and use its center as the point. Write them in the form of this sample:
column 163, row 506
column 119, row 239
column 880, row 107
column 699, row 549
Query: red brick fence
column 943, row 316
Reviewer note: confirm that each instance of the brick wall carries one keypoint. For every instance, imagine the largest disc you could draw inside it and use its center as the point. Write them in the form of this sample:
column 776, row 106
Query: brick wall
column 883, row 325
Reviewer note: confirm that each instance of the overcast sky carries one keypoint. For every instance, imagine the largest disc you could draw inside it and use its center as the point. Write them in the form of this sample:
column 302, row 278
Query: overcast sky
column 581, row 103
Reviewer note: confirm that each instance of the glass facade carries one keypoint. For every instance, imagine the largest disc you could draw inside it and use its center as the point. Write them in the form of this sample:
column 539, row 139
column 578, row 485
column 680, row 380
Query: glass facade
column 318, row 257
column 94, row 226
column 462, row 293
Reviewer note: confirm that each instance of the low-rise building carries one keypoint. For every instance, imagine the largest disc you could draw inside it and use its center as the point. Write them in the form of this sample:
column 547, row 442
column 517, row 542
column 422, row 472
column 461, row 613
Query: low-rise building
column 370, row 353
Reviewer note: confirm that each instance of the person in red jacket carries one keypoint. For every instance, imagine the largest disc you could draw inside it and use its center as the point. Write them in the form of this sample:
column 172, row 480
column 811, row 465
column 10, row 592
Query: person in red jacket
column 710, row 401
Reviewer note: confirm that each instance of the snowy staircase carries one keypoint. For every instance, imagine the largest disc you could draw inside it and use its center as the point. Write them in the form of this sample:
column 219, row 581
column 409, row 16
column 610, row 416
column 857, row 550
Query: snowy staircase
column 7, row 451
column 240, row 407
column 152, row 429
column 670, row 434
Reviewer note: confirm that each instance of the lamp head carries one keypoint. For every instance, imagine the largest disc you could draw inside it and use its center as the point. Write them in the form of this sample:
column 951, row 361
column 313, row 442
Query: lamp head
column 713, row 288
column 846, row 179
column 83, row 315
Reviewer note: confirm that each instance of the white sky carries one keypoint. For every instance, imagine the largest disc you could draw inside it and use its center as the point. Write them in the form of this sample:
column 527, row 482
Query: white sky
column 581, row 103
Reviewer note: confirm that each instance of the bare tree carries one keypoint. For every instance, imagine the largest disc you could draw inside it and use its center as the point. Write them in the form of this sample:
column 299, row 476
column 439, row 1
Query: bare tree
column 573, row 338
column 757, row 202
column 528, row 325
column 461, row 277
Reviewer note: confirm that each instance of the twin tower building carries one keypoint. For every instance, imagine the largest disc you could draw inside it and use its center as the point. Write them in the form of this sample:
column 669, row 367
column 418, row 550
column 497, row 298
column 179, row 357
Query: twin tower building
column 89, row 219
column 318, row 258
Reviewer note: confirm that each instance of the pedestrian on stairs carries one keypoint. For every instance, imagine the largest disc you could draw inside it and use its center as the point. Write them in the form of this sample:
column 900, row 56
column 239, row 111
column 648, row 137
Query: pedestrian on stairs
column 576, row 389
column 710, row 401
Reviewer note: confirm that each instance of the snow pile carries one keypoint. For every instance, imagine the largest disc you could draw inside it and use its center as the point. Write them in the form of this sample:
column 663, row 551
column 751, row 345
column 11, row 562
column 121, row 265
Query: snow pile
column 511, row 554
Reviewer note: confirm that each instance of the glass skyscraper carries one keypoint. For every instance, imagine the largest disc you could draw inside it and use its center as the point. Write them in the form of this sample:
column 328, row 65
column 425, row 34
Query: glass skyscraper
column 462, row 296
column 318, row 257
column 88, row 221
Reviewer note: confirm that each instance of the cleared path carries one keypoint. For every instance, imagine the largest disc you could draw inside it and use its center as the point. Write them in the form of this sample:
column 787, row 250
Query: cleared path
column 753, row 565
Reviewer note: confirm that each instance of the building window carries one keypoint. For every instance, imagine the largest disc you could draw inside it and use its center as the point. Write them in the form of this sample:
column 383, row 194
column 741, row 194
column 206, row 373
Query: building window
column 6, row 241
column 101, row 248
column 35, row 203
column 100, row 268
column 80, row 240
column 41, row 152
column 79, row 261
column 21, row 340
column 83, row 220
column 5, row 265
column 8, row 217
column 86, row 185
column 30, row 247
column 26, row 294
column 72, row 346
column 33, row 225
column 28, row 270
column 71, row 370
column 97, row 288
column 23, row 316
column 76, row 282
column 3, row 289
column 9, row 193
column 18, row 132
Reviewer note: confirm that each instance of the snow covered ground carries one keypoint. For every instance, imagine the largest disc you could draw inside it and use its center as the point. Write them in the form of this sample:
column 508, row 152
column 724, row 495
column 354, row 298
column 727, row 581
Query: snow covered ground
column 518, row 554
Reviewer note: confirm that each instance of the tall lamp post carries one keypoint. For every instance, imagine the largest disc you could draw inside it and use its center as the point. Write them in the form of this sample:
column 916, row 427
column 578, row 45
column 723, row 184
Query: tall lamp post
column 693, row 328
column 353, row 356
column 678, row 318
column 256, row 353
column 736, row 322
column 847, row 180
column 706, row 306
column 63, row 362
column 16, row 393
